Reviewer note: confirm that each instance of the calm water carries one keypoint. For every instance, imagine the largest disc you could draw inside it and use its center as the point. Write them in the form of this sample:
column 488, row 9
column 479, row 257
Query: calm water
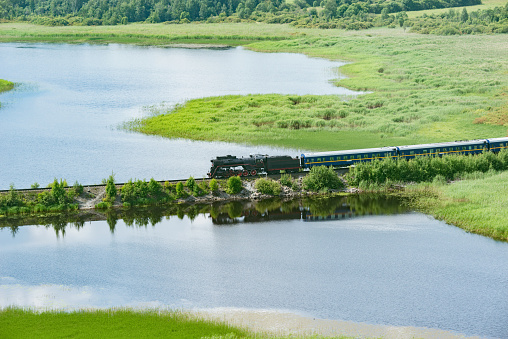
column 354, row 264
column 338, row 259
column 61, row 121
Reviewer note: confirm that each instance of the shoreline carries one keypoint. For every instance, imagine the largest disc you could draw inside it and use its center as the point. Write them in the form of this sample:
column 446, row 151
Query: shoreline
column 288, row 323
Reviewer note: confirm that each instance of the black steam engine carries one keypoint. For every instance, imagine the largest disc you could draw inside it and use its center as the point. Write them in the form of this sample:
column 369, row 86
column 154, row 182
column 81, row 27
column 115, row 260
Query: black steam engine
column 229, row 165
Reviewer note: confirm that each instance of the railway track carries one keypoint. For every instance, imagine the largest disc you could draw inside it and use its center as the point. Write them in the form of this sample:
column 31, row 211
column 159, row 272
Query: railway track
column 120, row 184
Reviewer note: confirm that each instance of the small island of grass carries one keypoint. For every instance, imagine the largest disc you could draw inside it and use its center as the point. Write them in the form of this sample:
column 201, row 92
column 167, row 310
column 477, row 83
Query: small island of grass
column 6, row 85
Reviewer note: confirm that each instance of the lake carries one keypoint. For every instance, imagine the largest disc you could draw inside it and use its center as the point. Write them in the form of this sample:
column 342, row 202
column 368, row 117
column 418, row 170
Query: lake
column 62, row 119
column 361, row 259
column 364, row 259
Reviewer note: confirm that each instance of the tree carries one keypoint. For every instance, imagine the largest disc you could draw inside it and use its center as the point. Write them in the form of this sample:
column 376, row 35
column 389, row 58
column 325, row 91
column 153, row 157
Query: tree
column 111, row 188
column 464, row 16
column 330, row 10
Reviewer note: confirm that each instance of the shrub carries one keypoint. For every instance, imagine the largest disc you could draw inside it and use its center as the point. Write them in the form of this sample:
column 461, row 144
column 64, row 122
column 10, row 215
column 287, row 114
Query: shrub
column 234, row 185
column 214, row 185
column 78, row 188
column 322, row 177
column 286, row 180
column 35, row 185
column 179, row 190
column 190, row 183
column 267, row 186
column 111, row 188
column 154, row 188
column 103, row 205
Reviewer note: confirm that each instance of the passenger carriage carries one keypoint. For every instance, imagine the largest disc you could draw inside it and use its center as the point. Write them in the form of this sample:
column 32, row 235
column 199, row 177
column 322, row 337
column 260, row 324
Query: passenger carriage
column 444, row 148
column 347, row 158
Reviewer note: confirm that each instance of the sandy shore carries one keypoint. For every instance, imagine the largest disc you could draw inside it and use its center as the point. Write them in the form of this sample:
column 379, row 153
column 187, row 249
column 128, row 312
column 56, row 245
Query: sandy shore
column 286, row 323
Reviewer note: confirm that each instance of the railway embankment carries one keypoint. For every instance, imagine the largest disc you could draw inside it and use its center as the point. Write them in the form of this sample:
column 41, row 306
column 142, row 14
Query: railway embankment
column 58, row 197
column 465, row 191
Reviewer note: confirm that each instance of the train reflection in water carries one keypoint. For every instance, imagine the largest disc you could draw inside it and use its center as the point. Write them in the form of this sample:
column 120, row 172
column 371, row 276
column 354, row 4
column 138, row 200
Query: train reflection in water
column 221, row 214
column 309, row 209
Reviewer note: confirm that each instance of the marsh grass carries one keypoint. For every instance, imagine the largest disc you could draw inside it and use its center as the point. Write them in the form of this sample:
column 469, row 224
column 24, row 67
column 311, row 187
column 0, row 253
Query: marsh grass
column 120, row 323
column 476, row 204
column 425, row 89
column 230, row 34
column 5, row 85
column 112, row 323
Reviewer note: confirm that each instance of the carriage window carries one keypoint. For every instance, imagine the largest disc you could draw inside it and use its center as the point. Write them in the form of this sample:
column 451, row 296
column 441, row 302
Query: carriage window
column 318, row 159
column 424, row 151
column 412, row 152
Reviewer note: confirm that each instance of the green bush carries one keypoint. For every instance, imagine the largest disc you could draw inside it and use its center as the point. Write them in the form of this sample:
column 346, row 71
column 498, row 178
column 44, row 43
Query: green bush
column 180, row 193
column 111, row 188
column 234, row 185
column 320, row 178
column 287, row 180
column 155, row 188
column 78, row 188
column 190, row 183
column 267, row 186
column 214, row 185
column 103, row 205
column 426, row 169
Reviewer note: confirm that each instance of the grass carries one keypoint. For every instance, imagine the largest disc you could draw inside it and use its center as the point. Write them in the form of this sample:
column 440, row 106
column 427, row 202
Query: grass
column 5, row 85
column 476, row 204
column 425, row 89
column 18, row 323
column 231, row 34
column 486, row 4
column 114, row 323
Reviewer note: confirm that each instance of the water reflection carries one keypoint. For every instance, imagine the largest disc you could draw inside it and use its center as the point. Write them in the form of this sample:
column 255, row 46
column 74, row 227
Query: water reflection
column 308, row 209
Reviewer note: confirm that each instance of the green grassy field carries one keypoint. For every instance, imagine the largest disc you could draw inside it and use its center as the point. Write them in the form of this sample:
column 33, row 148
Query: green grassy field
column 425, row 89
column 232, row 34
column 486, row 4
column 17, row 323
column 477, row 205
column 115, row 323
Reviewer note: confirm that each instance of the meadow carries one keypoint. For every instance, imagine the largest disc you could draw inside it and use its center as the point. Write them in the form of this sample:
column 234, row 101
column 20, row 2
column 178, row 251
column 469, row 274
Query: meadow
column 115, row 323
column 424, row 88
column 476, row 203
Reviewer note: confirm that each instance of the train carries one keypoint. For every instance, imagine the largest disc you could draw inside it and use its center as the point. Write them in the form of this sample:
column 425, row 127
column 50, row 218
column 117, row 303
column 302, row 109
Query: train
column 229, row 165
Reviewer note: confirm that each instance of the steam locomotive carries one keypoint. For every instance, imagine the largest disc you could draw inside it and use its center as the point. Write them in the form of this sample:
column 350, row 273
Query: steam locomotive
column 229, row 165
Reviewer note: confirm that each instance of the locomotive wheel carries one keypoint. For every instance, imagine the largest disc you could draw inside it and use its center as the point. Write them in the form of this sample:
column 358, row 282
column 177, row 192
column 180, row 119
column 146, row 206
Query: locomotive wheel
column 245, row 173
column 253, row 172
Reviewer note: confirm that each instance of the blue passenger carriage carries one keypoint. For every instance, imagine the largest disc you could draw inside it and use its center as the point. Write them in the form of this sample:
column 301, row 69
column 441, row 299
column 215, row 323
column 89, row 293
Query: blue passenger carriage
column 444, row 148
column 497, row 144
column 347, row 158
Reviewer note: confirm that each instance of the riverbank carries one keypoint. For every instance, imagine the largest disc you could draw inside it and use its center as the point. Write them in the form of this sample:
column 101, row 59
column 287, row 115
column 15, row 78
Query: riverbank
column 476, row 204
column 224, row 323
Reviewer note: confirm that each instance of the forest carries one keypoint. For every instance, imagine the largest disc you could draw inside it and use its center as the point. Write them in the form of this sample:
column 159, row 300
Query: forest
column 302, row 12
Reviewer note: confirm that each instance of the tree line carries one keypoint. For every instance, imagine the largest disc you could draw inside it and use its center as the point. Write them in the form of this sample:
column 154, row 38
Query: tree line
column 113, row 12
